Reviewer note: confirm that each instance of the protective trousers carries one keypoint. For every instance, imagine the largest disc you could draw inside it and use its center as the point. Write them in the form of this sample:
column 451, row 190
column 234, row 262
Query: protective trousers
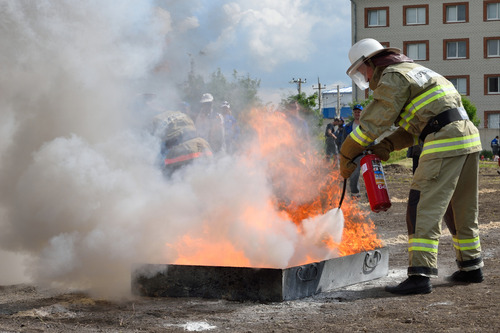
column 444, row 188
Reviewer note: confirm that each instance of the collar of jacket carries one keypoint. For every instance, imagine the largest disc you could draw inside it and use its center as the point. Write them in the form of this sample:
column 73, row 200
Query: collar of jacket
column 381, row 63
column 386, row 59
column 377, row 74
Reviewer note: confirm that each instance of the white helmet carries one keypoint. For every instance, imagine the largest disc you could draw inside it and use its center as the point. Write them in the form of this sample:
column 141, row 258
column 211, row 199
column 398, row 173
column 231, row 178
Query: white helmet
column 206, row 98
column 361, row 51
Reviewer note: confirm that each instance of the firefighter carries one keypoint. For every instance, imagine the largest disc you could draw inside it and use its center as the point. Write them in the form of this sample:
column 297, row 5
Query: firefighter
column 210, row 124
column 180, row 142
column 426, row 107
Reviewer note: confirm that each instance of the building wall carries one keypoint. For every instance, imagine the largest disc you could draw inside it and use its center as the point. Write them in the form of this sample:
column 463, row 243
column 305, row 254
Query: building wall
column 475, row 29
column 330, row 99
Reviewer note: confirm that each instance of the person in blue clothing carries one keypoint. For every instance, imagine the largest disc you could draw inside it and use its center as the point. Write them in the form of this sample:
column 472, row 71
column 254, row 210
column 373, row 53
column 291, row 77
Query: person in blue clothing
column 494, row 146
column 351, row 126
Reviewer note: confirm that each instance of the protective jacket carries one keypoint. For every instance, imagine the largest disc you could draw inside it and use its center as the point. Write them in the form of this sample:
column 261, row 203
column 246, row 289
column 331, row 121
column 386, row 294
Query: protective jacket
column 410, row 95
column 180, row 140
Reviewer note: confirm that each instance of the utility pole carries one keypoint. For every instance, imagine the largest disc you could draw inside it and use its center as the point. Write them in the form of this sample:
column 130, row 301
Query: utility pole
column 299, row 84
column 338, row 101
column 319, row 93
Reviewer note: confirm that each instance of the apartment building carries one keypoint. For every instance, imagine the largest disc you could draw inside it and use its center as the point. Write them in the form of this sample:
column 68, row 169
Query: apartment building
column 458, row 39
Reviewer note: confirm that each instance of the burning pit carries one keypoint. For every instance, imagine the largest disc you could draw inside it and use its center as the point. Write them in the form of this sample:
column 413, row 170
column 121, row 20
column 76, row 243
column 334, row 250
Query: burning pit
column 333, row 248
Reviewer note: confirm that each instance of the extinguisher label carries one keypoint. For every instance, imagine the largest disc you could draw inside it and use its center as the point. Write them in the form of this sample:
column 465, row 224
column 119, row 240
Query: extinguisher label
column 379, row 173
column 364, row 168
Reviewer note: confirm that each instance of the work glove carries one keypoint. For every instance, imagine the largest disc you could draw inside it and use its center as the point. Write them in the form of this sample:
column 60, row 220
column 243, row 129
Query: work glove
column 348, row 152
column 398, row 140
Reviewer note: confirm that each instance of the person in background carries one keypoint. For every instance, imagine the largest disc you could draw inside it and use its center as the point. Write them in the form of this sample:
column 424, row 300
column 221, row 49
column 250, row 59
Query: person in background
column 231, row 128
column 331, row 140
column 180, row 143
column 494, row 146
column 210, row 124
column 425, row 106
column 339, row 133
column 351, row 126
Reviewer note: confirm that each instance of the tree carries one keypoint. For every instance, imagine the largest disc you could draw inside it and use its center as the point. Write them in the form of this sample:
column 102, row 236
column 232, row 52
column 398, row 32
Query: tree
column 471, row 110
column 310, row 113
column 240, row 92
column 193, row 87
column 307, row 103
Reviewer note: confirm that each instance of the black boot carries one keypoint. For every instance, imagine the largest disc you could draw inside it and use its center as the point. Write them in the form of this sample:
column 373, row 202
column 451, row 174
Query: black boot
column 475, row 276
column 414, row 284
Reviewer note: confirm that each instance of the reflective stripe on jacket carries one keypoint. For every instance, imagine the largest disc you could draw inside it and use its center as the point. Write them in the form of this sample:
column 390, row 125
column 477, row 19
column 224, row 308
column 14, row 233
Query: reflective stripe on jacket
column 409, row 95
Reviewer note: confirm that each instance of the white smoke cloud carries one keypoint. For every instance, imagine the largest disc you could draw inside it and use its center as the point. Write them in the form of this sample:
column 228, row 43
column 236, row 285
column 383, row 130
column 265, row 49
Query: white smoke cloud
column 80, row 194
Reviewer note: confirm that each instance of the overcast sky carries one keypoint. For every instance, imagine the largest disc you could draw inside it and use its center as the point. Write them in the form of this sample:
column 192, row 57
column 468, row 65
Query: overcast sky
column 271, row 40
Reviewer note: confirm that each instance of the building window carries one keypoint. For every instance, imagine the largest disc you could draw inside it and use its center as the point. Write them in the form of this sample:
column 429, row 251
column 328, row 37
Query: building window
column 413, row 15
column 492, row 47
column 492, row 84
column 457, row 12
column 456, row 48
column 417, row 50
column 491, row 119
column 376, row 17
column 492, row 10
column 461, row 83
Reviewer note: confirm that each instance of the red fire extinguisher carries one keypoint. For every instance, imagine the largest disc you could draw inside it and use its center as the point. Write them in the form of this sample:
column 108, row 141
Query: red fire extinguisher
column 375, row 184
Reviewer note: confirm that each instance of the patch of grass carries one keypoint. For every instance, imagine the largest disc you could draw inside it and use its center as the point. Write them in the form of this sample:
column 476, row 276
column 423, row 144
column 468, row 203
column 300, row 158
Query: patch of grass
column 488, row 164
column 398, row 157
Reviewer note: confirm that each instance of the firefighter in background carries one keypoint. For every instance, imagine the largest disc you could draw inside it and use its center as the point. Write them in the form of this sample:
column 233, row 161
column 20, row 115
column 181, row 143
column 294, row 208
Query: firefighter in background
column 210, row 124
column 351, row 126
column 425, row 106
column 331, row 149
column 180, row 142
column 231, row 128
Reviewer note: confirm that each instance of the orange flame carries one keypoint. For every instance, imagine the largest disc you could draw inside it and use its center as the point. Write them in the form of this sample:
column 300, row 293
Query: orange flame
column 304, row 186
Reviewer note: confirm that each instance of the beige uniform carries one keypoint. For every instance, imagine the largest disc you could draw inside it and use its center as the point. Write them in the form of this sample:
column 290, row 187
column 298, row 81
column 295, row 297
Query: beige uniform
column 408, row 95
column 180, row 140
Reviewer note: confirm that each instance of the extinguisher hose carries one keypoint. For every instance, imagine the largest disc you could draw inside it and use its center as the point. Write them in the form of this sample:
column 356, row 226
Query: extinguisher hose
column 343, row 193
column 345, row 183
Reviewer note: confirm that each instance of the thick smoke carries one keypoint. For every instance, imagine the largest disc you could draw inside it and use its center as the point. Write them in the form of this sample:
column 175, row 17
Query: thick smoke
column 81, row 198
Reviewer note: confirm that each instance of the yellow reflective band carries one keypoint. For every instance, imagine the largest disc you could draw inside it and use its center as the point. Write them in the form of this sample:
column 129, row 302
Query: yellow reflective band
column 465, row 248
column 424, row 241
column 424, row 99
column 422, row 249
column 424, row 245
column 358, row 136
column 466, row 244
column 437, row 146
column 402, row 123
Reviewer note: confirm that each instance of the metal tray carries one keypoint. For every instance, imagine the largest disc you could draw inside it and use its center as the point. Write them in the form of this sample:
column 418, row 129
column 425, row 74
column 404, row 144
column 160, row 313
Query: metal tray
column 258, row 284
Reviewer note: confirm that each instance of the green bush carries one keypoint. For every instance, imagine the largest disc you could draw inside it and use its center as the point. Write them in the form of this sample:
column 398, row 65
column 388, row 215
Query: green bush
column 488, row 154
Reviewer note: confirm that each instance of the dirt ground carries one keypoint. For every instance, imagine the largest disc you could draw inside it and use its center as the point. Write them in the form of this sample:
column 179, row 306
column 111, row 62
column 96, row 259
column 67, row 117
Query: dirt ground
column 360, row 308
